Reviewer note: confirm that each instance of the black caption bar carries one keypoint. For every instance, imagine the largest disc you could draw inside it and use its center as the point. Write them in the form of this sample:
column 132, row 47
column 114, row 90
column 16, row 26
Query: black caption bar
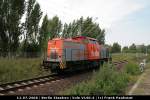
column 74, row 97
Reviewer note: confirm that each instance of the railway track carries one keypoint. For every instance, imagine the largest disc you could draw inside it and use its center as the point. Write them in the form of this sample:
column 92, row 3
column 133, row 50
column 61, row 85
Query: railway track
column 13, row 86
column 120, row 64
column 9, row 88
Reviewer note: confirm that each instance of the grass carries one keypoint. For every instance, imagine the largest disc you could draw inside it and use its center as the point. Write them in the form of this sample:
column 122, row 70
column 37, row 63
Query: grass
column 131, row 57
column 132, row 69
column 19, row 69
column 106, row 81
column 143, row 88
column 109, row 81
column 124, row 56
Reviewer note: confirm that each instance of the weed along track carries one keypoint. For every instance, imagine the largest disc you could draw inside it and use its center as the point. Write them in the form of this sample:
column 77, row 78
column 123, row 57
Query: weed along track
column 12, row 87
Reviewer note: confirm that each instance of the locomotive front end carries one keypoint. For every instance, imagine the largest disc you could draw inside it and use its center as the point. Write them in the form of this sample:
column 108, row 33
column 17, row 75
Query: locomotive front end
column 54, row 58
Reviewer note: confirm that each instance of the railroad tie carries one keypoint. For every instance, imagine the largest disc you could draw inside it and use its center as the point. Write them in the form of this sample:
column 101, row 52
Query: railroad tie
column 9, row 86
column 35, row 86
column 11, row 92
column 46, row 78
column 30, row 82
column 28, row 88
column 36, row 81
column 48, row 83
column 17, row 84
column 42, row 80
column 23, row 83
column 1, row 88
column 41, row 84
column 1, row 94
column 20, row 90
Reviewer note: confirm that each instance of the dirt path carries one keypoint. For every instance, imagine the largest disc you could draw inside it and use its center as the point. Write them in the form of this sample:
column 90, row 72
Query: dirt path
column 142, row 86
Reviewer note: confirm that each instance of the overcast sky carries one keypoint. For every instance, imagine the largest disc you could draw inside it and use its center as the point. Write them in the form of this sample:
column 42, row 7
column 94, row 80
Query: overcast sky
column 125, row 21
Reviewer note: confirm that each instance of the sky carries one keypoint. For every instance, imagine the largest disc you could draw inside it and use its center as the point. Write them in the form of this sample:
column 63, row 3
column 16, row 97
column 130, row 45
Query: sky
column 125, row 21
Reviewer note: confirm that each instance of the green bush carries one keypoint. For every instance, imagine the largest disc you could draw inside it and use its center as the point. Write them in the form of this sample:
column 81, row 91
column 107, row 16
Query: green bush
column 132, row 69
column 107, row 81
column 148, row 58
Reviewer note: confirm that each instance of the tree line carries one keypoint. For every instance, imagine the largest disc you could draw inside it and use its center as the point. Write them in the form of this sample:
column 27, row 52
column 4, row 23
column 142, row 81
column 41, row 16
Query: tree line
column 21, row 32
column 133, row 48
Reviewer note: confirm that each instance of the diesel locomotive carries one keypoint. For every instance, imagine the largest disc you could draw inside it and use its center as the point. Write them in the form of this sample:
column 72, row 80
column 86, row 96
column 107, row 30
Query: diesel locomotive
column 74, row 54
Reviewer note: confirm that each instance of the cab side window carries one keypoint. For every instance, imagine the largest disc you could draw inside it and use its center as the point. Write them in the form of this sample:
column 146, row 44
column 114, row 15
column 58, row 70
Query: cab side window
column 92, row 41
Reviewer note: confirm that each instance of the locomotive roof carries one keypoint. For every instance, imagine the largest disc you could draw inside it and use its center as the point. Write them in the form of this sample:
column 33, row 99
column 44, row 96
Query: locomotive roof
column 84, row 37
column 78, row 37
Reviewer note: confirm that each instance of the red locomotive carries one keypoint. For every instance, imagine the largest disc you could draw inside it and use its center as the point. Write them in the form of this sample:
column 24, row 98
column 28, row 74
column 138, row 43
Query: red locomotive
column 74, row 54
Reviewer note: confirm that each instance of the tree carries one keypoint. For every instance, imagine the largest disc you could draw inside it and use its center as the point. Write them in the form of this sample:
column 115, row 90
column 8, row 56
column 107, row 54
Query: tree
column 132, row 48
column 43, row 33
column 148, row 49
column 28, row 22
column 116, row 48
column 101, row 36
column 17, row 8
column 65, row 33
column 125, row 49
column 33, row 17
column 3, row 28
column 91, row 29
column 143, row 48
column 84, row 27
column 11, row 12
column 54, row 27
